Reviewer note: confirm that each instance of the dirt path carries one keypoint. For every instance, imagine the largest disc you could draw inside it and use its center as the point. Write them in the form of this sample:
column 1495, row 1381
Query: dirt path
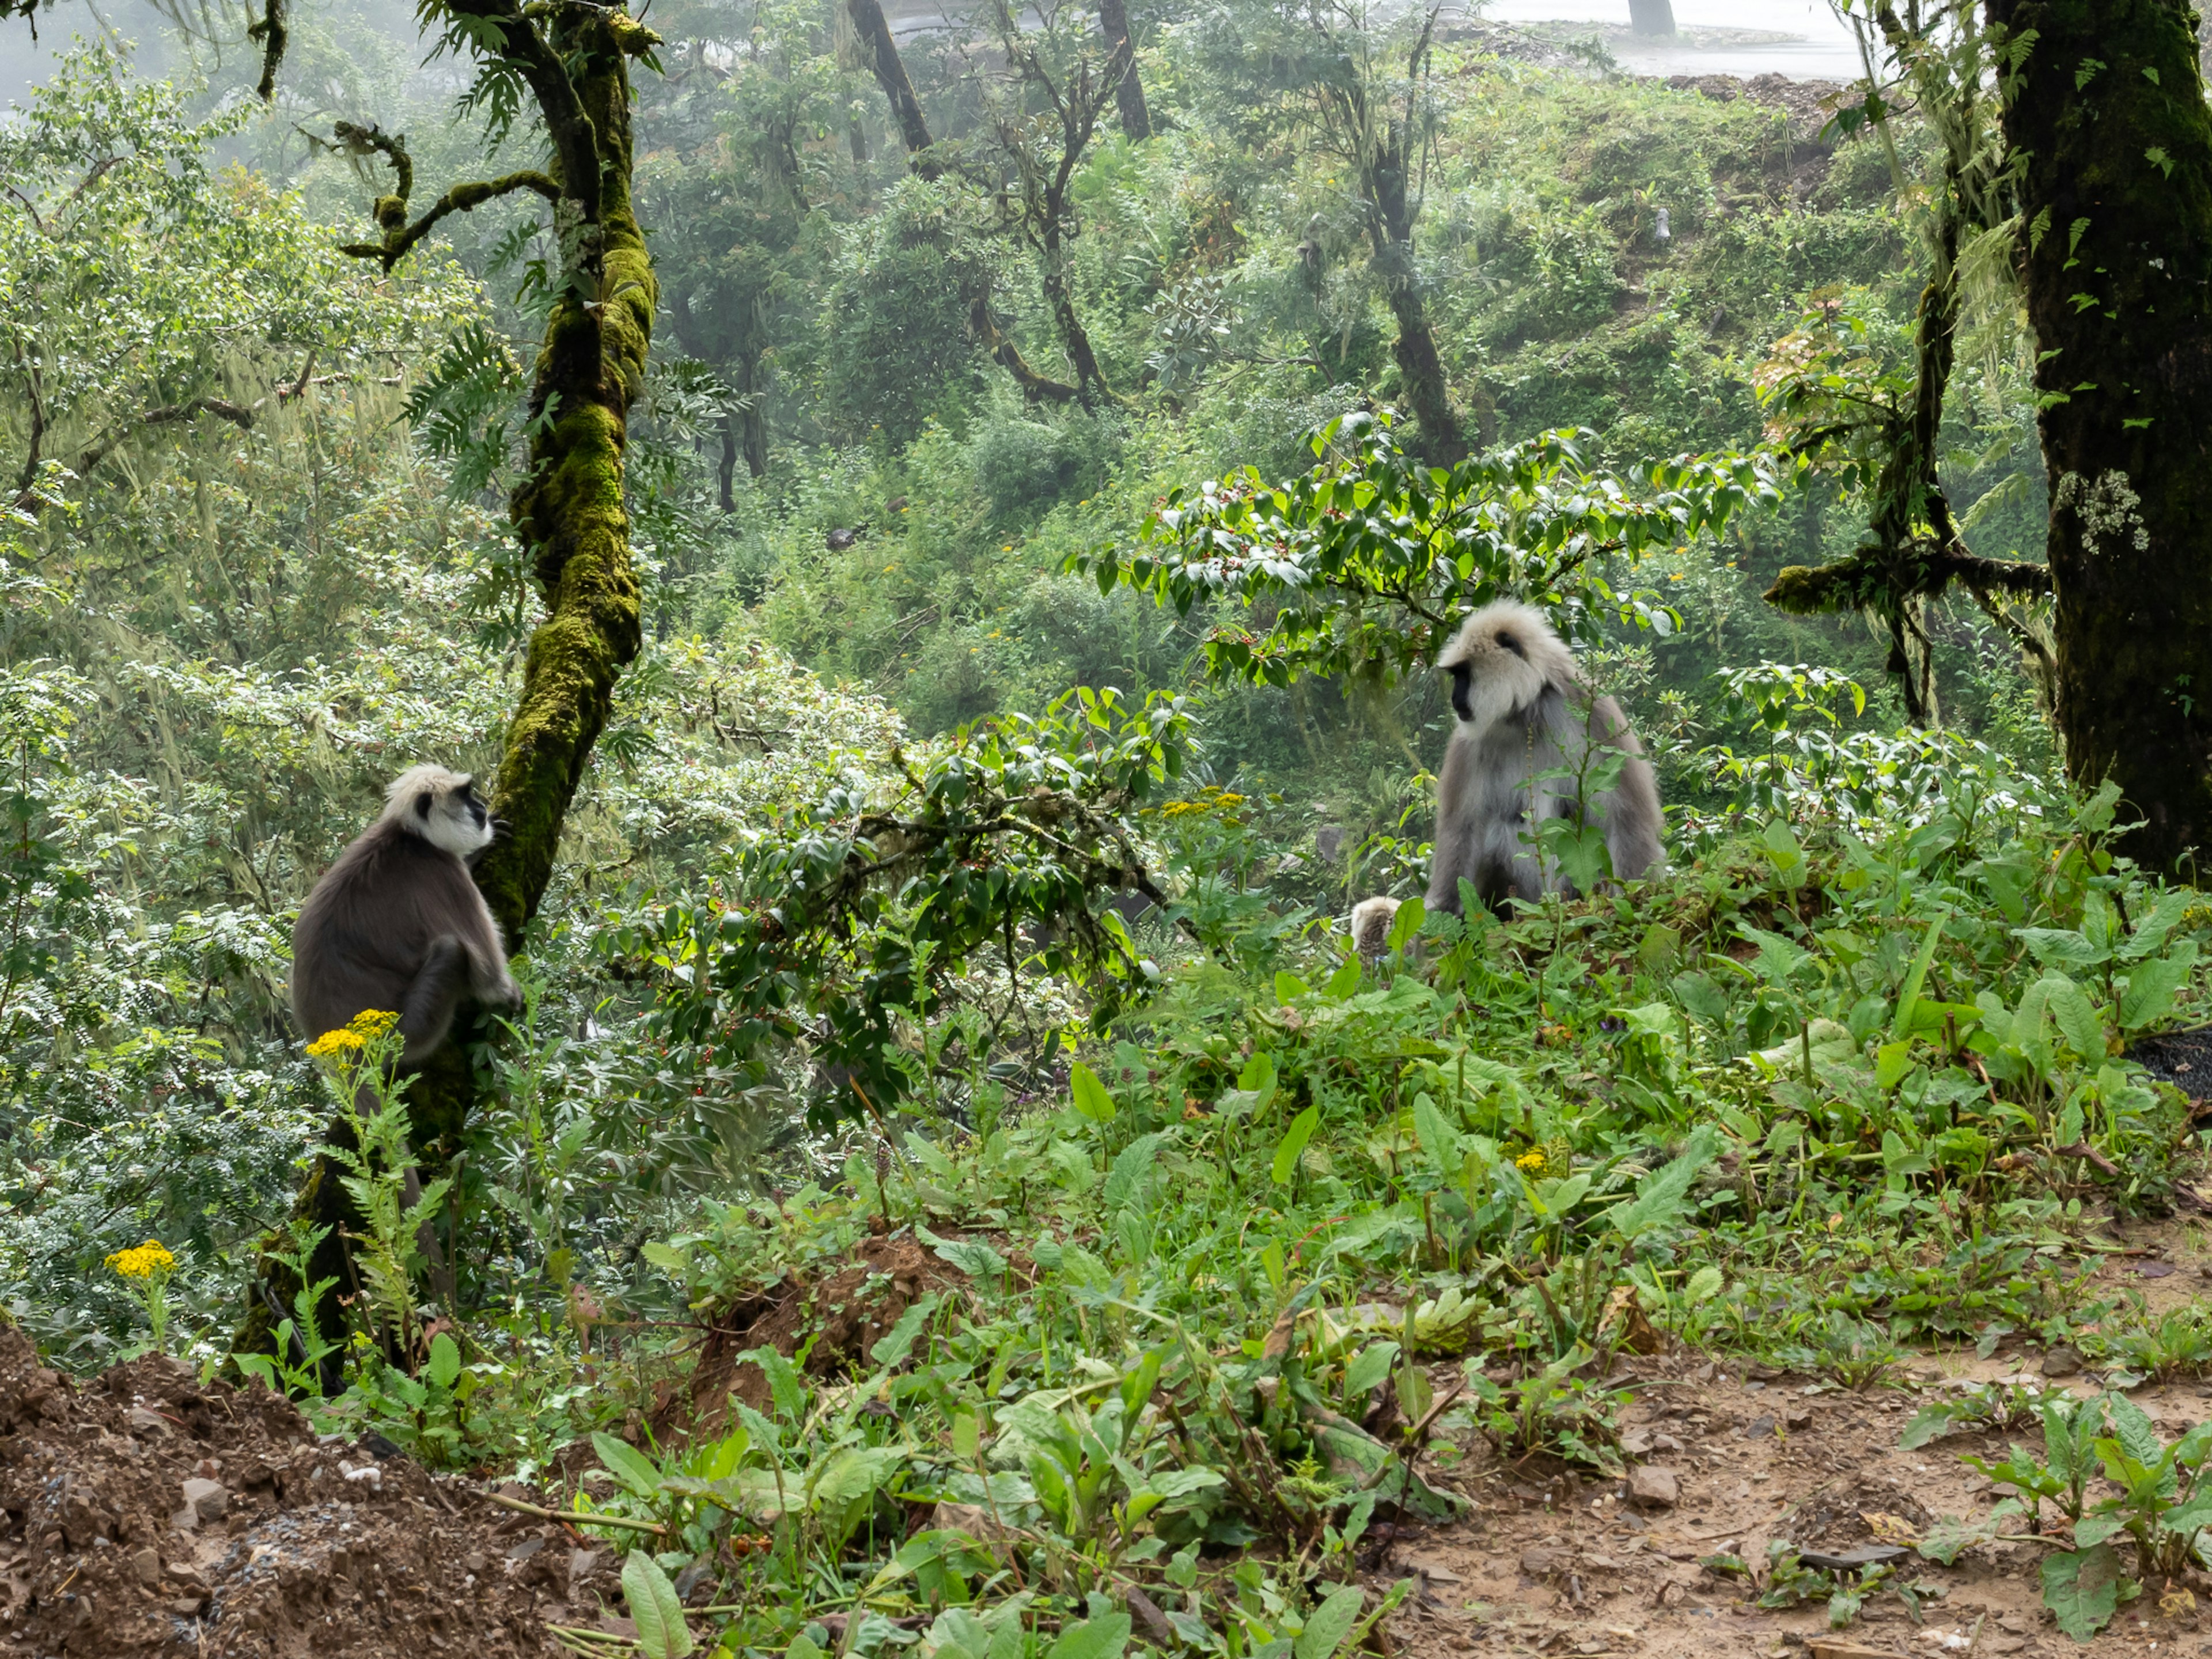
column 1583, row 1567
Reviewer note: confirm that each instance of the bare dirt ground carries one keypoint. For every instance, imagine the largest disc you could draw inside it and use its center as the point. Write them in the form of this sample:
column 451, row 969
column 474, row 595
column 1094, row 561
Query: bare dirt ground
column 1562, row 1567
column 144, row 1514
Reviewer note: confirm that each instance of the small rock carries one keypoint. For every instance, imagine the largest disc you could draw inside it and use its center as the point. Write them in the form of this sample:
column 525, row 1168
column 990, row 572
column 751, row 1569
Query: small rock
column 1540, row 1561
column 206, row 1498
column 146, row 1564
column 366, row 1475
column 476, row 1561
column 1759, row 1427
column 526, row 1549
column 1656, row 1486
column 2061, row 1361
column 150, row 1424
column 186, row 1607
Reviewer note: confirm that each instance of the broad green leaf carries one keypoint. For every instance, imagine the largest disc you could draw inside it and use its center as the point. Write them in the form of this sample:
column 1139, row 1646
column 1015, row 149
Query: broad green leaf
column 1705, row 1285
column 667, row 1258
column 1660, row 1196
column 1106, row 1636
column 1890, row 1063
column 1289, row 988
column 2060, row 947
column 971, row 1255
column 1293, row 1145
column 628, row 1465
column 1439, row 1140
column 2082, row 1588
column 1344, row 982
column 1090, row 1097
column 892, row 1347
column 1407, row 924
column 1131, row 1168
column 2076, row 1016
column 2152, row 986
column 1366, row 1373
column 654, row 1609
column 445, row 1367
column 1329, row 1623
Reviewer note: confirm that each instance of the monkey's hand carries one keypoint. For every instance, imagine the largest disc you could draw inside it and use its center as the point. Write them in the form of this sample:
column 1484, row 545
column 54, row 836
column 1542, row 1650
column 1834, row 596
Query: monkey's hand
column 500, row 993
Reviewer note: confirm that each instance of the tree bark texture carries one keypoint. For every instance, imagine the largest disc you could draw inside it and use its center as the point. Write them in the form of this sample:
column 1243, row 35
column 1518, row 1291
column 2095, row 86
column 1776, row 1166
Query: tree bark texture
column 1420, row 366
column 569, row 512
column 875, row 33
column 2105, row 102
column 1651, row 17
column 1129, row 91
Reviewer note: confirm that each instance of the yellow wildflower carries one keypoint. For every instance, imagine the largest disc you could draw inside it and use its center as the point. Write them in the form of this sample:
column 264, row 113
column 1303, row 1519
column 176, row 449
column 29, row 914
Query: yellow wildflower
column 1531, row 1160
column 356, row 1034
column 148, row 1259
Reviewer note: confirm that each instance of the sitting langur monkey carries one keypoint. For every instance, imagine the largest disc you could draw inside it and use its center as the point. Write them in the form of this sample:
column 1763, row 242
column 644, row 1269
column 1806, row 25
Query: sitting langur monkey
column 397, row 923
column 1523, row 712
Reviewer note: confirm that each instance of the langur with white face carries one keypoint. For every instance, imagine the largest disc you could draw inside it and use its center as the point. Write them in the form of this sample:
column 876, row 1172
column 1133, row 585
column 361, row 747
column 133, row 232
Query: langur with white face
column 1530, row 745
column 397, row 924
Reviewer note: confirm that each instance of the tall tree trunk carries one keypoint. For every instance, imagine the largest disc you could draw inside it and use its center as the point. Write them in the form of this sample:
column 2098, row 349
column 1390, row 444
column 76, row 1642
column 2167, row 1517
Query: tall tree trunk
column 883, row 51
column 1060, row 296
column 2108, row 111
column 1420, row 366
column 1651, row 17
column 570, row 514
column 1129, row 92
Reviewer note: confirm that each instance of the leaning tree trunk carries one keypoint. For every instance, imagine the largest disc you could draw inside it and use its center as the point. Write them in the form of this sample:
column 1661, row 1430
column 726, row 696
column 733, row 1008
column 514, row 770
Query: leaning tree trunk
column 1420, row 367
column 1129, row 91
column 2108, row 111
column 1650, row 16
column 875, row 33
column 570, row 514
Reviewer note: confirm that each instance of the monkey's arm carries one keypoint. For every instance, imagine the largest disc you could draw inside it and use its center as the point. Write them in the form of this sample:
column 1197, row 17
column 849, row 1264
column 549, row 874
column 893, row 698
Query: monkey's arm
column 1451, row 854
column 428, row 1012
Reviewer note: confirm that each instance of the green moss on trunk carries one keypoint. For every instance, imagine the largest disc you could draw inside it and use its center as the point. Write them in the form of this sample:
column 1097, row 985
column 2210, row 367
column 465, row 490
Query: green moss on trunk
column 570, row 514
column 2105, row 104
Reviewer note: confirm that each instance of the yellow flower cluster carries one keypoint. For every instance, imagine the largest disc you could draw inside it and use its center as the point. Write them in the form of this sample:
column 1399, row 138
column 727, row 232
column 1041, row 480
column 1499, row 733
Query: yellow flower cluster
column 149, row 1258
column 355, row 1035
column 1211, row 800
column 1533, row 1161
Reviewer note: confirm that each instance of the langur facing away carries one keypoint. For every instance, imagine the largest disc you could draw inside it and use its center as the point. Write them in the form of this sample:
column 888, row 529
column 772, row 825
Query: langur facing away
column 1524, row 712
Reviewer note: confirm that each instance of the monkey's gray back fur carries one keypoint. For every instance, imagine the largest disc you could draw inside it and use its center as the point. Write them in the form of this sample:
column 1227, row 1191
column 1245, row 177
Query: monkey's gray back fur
column 1523, row 712
column 397, row 923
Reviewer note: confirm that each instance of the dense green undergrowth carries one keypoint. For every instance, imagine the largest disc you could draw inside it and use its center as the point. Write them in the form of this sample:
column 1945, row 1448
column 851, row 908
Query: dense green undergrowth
column 1304, row 1237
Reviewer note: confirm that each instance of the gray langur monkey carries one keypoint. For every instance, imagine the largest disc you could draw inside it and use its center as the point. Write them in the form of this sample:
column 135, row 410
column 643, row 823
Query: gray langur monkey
column 1523, row 712
column 397, row 923
column 1371, row 927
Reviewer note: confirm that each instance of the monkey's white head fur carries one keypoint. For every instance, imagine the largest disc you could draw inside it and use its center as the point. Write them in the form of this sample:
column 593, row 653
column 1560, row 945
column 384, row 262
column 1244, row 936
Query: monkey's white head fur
column 1501, row 661
column 441, row 807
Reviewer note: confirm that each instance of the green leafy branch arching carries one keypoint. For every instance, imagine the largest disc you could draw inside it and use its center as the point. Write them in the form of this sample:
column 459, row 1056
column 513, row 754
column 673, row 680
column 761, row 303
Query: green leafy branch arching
column 866, row 911
column 1364, row 564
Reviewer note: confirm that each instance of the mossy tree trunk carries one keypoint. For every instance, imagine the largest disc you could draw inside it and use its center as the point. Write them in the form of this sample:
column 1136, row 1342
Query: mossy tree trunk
column 569, row 512
column 2104, row 104
column 1128, row 91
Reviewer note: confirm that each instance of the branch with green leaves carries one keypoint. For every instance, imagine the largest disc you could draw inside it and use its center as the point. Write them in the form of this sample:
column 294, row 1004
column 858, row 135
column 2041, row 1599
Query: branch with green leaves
column 868, row 909
column 1364, row 565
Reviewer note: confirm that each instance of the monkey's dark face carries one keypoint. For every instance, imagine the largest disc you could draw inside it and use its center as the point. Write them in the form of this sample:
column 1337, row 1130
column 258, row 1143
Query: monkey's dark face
column 1501, row 661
